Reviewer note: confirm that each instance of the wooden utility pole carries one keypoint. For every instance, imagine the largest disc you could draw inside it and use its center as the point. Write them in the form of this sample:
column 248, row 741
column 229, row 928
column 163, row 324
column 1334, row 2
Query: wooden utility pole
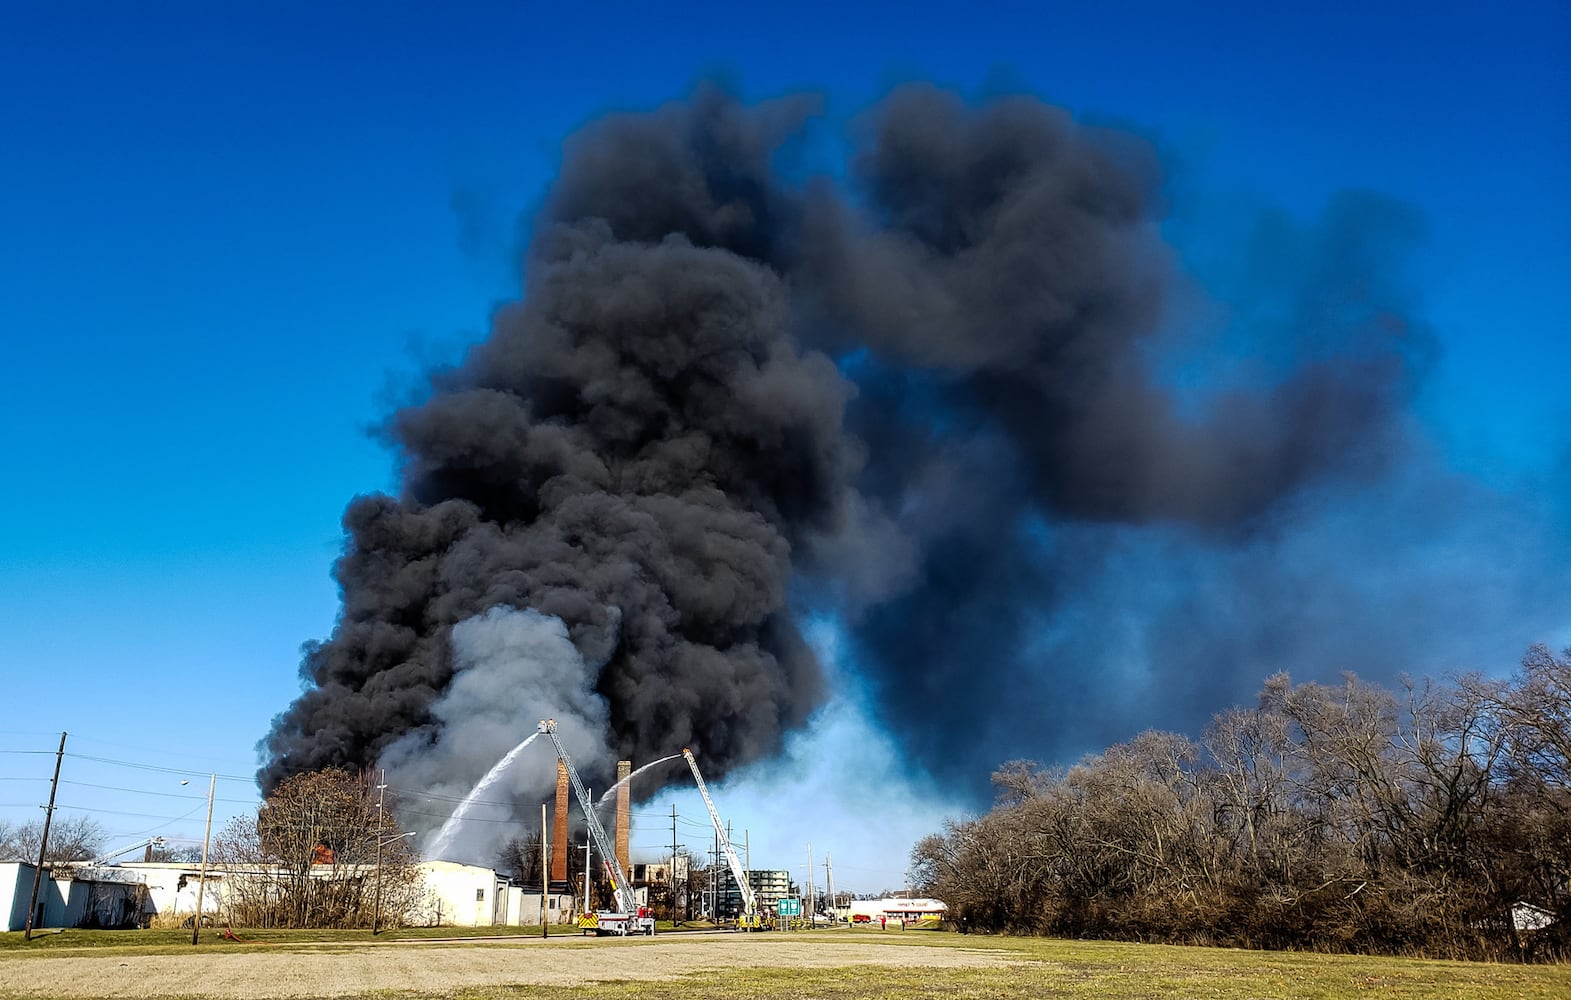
column 207, row 835
column 545, row 872
column 43, row 843
column 673, row 862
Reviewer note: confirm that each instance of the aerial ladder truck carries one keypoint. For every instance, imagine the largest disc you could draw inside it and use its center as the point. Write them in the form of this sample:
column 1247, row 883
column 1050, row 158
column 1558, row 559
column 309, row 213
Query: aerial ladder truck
column 628, row 917
column 749, row 919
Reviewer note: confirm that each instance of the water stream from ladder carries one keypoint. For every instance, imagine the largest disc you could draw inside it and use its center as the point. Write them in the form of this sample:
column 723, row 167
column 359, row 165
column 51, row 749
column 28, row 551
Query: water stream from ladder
column 611, row 792
column 443, row 841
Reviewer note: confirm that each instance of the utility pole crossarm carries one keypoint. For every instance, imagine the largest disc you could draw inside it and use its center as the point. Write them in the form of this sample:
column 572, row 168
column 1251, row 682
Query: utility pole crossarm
column 749, row 902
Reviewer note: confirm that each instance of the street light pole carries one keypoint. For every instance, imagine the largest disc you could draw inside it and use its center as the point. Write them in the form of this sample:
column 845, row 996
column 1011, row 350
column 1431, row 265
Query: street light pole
column 207, row 835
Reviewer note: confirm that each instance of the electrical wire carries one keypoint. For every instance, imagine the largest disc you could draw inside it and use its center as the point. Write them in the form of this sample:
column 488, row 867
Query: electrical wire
column 158, row 767
column 126, row 746
column 95, row 811
column 145, row 791
column 155, row 829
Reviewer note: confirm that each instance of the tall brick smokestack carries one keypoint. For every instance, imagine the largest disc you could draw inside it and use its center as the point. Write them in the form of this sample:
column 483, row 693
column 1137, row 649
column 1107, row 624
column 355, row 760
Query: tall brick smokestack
column 624, row 814
column 559, row 827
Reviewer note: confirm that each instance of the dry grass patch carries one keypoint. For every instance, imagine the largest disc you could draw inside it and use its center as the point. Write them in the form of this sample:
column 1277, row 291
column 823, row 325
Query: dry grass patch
column 826, row 965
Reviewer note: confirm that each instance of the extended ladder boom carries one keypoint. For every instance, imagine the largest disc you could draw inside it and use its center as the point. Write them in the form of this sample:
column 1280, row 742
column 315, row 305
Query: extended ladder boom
column 619, row 884
column 749, row 903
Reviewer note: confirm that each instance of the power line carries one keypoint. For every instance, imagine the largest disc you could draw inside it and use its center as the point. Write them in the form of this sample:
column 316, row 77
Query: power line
column 145, row 791
column 95, row 811
column 155, row 767
column 161, row 826
column 129, row 746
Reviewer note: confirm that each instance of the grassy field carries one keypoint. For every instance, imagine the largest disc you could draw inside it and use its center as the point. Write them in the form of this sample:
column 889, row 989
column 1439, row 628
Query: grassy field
column 824, row 965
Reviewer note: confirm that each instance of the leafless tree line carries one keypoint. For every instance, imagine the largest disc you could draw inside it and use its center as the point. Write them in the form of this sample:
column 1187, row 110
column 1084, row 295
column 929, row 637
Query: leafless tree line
column 71, row 838
column 1340, row 817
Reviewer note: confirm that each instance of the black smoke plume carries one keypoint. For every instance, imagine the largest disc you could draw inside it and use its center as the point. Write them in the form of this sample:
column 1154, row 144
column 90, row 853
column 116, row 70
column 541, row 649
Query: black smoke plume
column 928, row 398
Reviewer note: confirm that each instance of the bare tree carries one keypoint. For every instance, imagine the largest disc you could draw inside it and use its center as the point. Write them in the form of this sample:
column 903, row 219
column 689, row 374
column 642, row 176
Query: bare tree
column 520, row 857
column 309, row 857
column 71, row 838
column 1340, row 816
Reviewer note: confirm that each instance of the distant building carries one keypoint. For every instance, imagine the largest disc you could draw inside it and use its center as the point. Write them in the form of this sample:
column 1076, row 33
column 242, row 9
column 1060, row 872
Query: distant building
column 1527, row 917
column 768, row 884
column 898, row 909
column 658, row 873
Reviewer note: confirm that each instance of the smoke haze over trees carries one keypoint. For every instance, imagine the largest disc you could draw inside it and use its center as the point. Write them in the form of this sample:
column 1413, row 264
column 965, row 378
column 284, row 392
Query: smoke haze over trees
column 1347, row 816
column 958, row 399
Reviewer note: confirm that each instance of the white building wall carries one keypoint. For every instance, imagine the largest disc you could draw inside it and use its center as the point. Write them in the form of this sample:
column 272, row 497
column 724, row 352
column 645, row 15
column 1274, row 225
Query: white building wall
column 561, row 908
column 171, row 887
column 16, row 884
column 459, row 895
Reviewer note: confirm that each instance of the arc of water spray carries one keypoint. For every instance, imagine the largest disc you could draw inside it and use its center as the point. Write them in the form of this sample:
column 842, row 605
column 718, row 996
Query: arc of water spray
column 611, row 792
column 443, row 841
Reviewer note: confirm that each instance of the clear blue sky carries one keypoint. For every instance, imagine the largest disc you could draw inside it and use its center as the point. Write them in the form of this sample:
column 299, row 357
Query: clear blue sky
column 228, row 236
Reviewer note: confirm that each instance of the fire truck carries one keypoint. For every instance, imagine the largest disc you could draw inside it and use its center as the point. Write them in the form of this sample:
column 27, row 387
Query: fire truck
column 628, row 917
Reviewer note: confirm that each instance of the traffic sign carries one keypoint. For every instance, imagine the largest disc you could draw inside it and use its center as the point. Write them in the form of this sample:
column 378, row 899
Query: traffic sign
column 789, row 907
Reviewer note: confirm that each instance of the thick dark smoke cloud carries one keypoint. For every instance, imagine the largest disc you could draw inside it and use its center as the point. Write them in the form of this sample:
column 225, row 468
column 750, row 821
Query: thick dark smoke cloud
column 635, row 450
column 930, row 398
column 1006, row 275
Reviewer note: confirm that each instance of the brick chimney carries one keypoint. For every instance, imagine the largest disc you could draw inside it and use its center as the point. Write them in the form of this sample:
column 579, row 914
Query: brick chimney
column 624, row 815
column 559, row 827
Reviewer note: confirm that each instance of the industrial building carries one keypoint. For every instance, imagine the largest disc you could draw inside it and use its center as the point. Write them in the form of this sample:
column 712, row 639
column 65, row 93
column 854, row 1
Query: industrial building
column 135, row 893
column 82, row 898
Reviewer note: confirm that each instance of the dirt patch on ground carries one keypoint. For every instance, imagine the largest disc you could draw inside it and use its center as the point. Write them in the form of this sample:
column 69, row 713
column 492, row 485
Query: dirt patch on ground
column 439, row 968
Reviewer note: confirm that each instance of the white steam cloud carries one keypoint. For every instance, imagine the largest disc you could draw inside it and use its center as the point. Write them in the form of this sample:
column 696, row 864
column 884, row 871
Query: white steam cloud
column 514, row 668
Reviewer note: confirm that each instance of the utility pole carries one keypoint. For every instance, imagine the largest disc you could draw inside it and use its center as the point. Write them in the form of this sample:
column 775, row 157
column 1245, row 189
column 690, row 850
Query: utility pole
column 43, row 843
column 587, row 904
column 545, row 873
column 673, row 862
column 196, row 921
column 376, row 910
column 829, row 881
column 810, row 910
